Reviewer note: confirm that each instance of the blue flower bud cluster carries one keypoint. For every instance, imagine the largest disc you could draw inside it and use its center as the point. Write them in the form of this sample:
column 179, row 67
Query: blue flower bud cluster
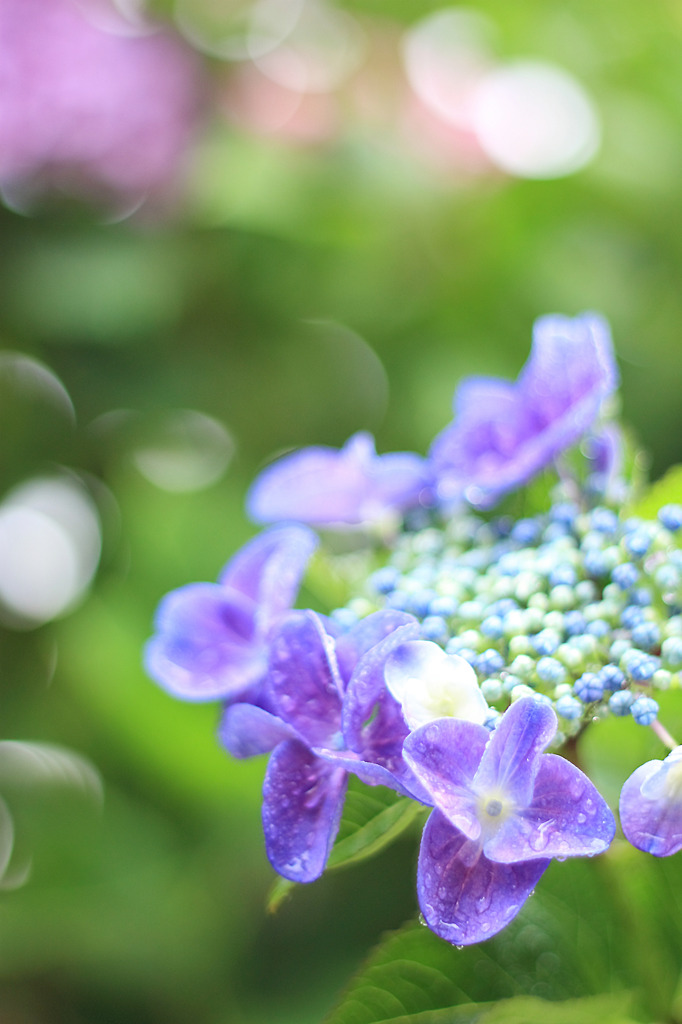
column 577, row 606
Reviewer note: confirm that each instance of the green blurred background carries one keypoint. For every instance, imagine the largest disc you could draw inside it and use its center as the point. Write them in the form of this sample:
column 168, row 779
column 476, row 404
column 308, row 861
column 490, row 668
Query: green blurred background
column 297, row 291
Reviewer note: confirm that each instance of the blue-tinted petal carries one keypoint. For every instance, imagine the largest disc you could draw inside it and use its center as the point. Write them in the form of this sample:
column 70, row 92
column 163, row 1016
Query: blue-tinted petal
column 373, row 774
column 205, row 647
column 373, row 724
column 651, row 806
column 570, row 370
column 247, row 730
column 302, row 804
column 566, row 817
column 464, row 897
column 444, row 755
column 504, row 433
column 269, row 570
column 511, row 760
column 351, row 646
column 304, row 683
column 327, row 486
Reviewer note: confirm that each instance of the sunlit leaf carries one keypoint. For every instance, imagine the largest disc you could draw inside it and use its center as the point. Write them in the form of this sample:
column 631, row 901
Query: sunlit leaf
column 667, row 490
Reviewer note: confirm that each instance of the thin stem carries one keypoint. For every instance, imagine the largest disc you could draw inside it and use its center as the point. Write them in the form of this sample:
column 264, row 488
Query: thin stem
column 663, row 735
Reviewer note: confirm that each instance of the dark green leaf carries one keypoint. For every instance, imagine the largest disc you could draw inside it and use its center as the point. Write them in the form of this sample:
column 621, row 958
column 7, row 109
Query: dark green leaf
column 372, row 818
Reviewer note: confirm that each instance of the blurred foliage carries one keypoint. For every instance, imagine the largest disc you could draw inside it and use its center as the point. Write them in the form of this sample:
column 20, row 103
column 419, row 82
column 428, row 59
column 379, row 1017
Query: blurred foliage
column 296, row 295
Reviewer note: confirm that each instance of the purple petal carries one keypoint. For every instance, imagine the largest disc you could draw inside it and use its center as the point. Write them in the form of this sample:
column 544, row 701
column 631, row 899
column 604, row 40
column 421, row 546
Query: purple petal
column 504, row 433
column 444, row 755
column 567, row 817
column 464, row 897
column 373, row 723
column 651, row 807
column 304, row 682
column 351, row 646
column 205, row 646
column 269, row 570
column 570, row 370
column 511, row 760
column 351, row 485
column 373, row 774
column 247, row 730
column 302, row 804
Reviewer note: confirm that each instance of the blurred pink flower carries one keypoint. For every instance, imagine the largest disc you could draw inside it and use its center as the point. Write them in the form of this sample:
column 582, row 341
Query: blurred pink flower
column 97, row 112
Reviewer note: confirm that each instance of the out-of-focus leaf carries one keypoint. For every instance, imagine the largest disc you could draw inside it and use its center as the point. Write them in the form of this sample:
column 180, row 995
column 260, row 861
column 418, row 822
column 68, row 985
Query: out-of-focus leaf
column 667, row 490
column 607, row 1009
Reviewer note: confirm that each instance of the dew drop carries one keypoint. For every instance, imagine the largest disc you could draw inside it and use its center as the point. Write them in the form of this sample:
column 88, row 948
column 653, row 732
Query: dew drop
column 538, row 842
column 581, row 819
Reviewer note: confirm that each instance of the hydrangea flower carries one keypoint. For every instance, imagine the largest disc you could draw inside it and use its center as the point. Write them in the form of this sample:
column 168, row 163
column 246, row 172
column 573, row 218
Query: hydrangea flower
column 329, row 486
column 651, row 806
column 105, row 110
column 331, row 714
column 429, row 684
column 502, row 810
column 505, row 432
column 212, row 639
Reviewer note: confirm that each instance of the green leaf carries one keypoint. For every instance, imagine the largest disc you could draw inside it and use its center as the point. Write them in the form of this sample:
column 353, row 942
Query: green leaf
column 372, row 818
column 607, row 1009
column 665, row 491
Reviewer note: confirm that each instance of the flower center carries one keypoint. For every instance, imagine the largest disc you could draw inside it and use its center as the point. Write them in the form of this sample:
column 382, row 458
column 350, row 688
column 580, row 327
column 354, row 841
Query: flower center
column 492, row 809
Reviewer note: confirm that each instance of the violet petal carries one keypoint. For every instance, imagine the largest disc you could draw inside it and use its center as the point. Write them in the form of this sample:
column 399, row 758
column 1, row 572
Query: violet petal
column 247, row 730
column 353, row 644
column 269, row 568
column 304, row 683
column 651, row 807
column 444, row 755
column 204, row 647
column 566, row 817
column 571, row 369
column 373, row 774
column 302, row 803
column 373, row 723
column 511, row 760
column 328, row 486
column 464, row 897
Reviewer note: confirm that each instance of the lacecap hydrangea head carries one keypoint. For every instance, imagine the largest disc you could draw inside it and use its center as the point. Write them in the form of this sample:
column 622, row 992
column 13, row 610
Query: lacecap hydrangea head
column 473, row 648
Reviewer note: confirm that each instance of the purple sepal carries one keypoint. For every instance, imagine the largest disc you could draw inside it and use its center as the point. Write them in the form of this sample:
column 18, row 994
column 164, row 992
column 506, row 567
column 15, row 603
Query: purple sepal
column 247, row 730
column 211, row 639
column 504, row 433
column 444, row 755
column 269, row 570
column 204, row 645
column 373, row 722
column 304, row 682
column 513, row 756
column 566, row 817
column 353, row 644
column 327, row 486
column 651, row 806
column 302, row 803
column 373, row 774
column 464, row 897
